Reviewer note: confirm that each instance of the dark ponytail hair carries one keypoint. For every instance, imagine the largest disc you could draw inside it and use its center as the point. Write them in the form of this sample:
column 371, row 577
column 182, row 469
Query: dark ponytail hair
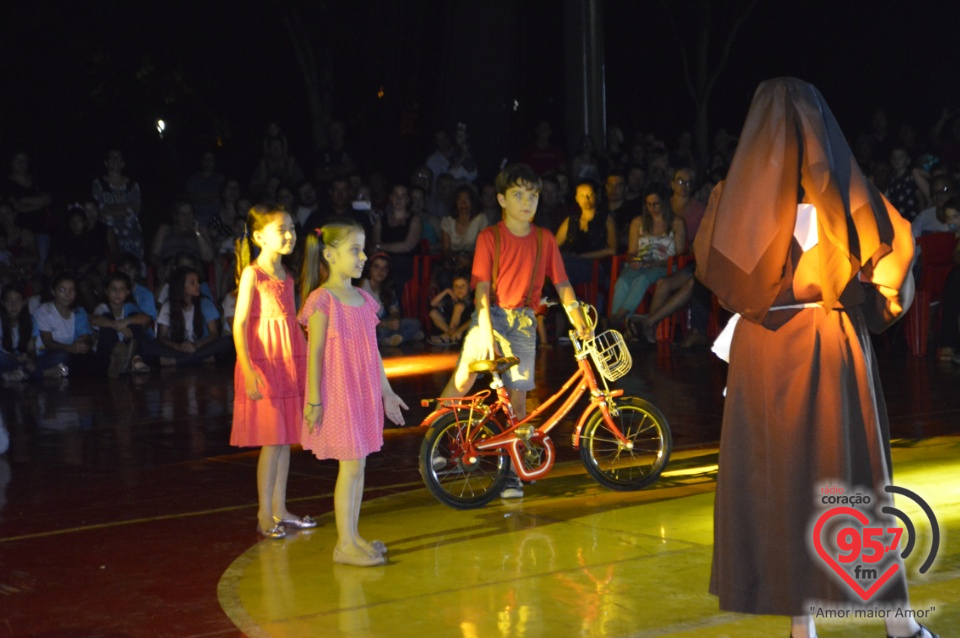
column 246, row 248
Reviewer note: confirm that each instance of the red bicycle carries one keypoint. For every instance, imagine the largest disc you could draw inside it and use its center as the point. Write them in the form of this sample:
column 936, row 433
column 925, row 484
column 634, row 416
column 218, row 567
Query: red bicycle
column 624, row 442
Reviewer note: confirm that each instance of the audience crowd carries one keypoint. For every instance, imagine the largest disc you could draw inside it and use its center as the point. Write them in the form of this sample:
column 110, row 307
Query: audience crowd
column 83, row 288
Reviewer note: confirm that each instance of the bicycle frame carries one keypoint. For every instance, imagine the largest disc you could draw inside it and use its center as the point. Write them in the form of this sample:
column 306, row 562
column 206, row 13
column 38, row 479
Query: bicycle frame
column 519, row 433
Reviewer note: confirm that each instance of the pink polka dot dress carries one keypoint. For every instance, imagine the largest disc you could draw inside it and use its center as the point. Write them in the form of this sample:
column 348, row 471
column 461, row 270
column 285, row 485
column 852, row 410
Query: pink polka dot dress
column 352, row 424
column 278, row 351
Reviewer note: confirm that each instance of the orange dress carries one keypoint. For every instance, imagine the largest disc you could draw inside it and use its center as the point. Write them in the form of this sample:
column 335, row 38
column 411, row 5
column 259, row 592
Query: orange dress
column 278, row 351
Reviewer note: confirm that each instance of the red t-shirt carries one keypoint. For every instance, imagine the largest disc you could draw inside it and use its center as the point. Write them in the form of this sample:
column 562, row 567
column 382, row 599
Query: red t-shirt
column 516, row 265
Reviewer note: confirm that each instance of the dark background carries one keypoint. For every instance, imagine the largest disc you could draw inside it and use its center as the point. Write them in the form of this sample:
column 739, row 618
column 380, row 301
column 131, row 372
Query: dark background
column 81, row 77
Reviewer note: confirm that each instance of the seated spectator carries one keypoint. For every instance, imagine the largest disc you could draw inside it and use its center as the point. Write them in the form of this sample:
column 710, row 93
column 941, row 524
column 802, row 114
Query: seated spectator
column 221, row 224
column 903, row 191
column 118, row 197
column 542, row 156
column 203, row 189
column 550, row 210
column 453, row 156
column 587, row 235
column 585, row 165
column 18, row 350
column 187, row 325
column 933, row 219
column 619, row 207
column 490, row 207
column 32, row 203
column 121, row 329
column 146, row 302
column 184, row 260
column 21, row 244
column 654, row 236
column 84, row 251
column 276, row 164
column 65, row 329
column 392, row 329
column 675, row 291
column 460, row 228
column 335, row 161
column 684, row 205
column 431, row 225
column 398, row 234
column 450, row 312
column 183, row 236
column 636, row 182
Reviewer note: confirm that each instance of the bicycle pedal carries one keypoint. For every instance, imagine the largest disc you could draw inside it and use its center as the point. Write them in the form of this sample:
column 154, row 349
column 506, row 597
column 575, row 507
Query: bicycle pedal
column 525, row 432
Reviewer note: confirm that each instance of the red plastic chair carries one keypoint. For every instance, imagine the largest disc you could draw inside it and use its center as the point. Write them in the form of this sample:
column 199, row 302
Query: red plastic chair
column 936, row 261
column 590, row 291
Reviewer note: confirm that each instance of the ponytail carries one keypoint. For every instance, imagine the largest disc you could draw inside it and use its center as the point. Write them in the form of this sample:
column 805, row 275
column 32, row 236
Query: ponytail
column 245, row 247
column 243, row 250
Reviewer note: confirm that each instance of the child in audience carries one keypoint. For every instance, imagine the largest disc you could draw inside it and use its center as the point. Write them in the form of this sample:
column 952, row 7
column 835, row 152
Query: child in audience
column 120, row 328
column 187, row 325
column 450, row 312
column 64, row 328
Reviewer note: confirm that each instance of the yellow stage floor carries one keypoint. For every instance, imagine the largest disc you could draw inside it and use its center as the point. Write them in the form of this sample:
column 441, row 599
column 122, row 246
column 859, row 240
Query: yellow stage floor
column 570, row 559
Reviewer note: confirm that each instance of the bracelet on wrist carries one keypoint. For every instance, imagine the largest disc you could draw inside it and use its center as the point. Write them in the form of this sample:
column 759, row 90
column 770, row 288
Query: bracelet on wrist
column 315, row 405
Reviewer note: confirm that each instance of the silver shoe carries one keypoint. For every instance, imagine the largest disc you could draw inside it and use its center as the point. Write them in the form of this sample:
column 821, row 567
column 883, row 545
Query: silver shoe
column 276, row 531
column 302, row 522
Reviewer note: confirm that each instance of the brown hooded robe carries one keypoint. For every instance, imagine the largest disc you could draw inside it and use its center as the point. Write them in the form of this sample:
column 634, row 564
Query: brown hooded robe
column 804, row 406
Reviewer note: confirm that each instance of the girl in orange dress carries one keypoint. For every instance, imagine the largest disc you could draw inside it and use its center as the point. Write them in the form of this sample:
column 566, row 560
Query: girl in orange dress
column 271, row 359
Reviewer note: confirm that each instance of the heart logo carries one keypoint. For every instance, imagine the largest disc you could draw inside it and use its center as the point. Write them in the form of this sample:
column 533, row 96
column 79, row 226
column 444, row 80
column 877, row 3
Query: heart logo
column 865, row 595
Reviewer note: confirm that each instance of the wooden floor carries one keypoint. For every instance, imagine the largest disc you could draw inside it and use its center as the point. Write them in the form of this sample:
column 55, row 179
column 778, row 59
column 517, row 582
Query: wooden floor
column 124, row 512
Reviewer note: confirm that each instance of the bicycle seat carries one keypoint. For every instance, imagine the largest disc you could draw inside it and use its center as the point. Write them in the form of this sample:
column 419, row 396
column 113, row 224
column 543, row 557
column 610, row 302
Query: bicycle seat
column 494, row 365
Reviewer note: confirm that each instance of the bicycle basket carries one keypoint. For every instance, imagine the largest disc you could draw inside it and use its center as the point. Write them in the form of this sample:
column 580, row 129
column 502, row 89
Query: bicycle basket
column 609, row 353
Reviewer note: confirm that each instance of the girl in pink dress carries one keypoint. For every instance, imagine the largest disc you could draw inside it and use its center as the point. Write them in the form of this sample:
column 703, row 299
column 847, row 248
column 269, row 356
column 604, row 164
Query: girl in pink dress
column 271, row 360
column 347, row 389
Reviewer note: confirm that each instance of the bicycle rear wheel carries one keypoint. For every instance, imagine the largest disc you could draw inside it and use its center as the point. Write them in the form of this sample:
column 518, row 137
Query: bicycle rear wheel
column 452, row 476
column 617, row 467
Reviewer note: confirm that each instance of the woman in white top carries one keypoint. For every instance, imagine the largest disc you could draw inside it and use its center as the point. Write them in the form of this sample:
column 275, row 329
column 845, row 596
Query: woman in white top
column 459, row 231
column 655, row 236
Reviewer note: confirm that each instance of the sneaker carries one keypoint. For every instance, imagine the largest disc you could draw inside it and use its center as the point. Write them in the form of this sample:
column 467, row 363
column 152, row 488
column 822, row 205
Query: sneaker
column 439, row 341
column 513, row 488
column 418, row 336
column 438, row 463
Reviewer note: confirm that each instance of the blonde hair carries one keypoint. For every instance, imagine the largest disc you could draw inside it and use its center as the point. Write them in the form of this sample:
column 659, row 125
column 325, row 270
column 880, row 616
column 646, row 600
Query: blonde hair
column 257, row 218
column 316, row 270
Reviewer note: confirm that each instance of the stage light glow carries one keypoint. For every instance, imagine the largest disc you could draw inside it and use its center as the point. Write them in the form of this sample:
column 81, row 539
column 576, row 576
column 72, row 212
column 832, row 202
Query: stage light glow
column 407, row 365
column 380, row 93
column 161, row 127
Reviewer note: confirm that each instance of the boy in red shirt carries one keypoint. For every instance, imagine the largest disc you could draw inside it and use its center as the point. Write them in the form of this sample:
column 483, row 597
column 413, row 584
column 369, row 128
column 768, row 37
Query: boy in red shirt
column 511, row 261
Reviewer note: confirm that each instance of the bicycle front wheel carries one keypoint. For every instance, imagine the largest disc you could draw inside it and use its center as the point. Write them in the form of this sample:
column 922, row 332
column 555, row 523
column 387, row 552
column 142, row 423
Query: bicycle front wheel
column 457, row 477
column 613, row 465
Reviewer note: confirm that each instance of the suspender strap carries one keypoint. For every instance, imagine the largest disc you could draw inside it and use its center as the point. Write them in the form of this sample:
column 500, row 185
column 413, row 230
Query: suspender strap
column 528, row 301
column 496, row 263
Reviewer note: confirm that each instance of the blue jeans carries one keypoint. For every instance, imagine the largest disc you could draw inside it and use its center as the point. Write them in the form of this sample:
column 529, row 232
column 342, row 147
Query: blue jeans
column 408, row 329
column 632, row 286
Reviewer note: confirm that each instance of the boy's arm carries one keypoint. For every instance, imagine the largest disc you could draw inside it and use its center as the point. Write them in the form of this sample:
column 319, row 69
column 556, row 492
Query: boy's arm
column 484, row 325
column 568, row 298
